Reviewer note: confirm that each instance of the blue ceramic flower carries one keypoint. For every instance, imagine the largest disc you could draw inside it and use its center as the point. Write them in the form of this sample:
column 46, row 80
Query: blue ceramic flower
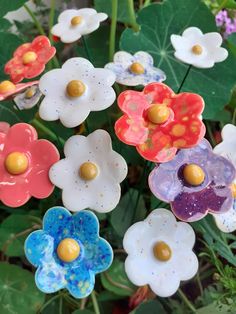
column 68, row 252
column 133, row 70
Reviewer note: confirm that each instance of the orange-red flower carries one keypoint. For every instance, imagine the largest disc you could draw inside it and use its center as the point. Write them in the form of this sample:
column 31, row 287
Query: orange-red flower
column 159, row 122
column 29, row 59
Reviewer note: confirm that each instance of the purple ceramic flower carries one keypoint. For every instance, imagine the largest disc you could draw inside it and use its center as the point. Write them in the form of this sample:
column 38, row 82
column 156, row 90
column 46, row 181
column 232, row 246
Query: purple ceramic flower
column 191, row 202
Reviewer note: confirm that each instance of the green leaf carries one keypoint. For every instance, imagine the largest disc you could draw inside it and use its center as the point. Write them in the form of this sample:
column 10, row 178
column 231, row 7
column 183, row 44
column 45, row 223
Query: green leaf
column 105, row 6
column 158, row 22
column 130, row 209
column 13, row 232
column 7, row 6
column 150, row 307
column 19, row 294
column 230, row 4
column 82, row 312
column 215, row 308
column 4, row 24
column 116, row 280
column 232, row 43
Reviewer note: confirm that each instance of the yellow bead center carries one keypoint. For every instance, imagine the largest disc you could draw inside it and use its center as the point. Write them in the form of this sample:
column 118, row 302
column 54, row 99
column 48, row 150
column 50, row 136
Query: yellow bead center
column 30, row 92
column 158, row 114
column 68, row 250
column 233, row 189
column 137, row 68
column 29, row 57
column 6, row 87
column 88, row 171
column 76, row 20
column 193, row 174
column 197, row 49
column 16, row 163
column 75, row 88
column 162, row 251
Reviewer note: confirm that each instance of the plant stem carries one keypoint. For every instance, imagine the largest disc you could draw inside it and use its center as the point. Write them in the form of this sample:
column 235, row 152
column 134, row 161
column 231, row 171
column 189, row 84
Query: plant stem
column 210, row 134
column 95, row 303
column 35, row 20
column 222, row 5
column 199, row 284
column 112, row 41
column 132, row 16
column 86, row 49
column 186, row 301
column 49, row 302
column 61, row 305
column 147, row 2
column 51, row 19
column 184, row 79
column 234, row 117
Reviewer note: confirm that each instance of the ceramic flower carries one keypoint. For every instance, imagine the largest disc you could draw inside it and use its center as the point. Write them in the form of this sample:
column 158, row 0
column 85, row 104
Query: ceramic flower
column 9, row 89
column 160, row 252
column 72, row 24
column 74, row 90
column 195, row 182
column 29, row 59
column 226, row 222
column 24, row 165
column 135, row 70
column 158, row 122
column 91, row 173
column 198, row 49
column 28, row 99
column 68, row 252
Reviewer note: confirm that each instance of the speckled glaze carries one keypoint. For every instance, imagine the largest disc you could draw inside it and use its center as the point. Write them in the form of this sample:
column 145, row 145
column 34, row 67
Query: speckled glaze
column 121, row 67
column 141, row 265
column 16, row 190
column 78, row 276
column 102, row 193
column 157, row 142
column 192, row 203
column 23, row 102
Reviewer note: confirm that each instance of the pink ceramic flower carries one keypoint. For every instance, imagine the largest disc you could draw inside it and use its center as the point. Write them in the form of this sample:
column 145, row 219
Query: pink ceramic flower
column 8, row 89
column 29, row 59
column 24, row 164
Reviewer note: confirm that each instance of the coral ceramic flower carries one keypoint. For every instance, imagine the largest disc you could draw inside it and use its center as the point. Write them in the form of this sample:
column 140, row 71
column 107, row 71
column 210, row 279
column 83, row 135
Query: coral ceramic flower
column 135, row 70
column 160, row 252
column 29, row 59
column 68, row 252
column 28, row 99
column 72, row 24
column 74, row 90
column 226, row 222
column 158, row 122
column 198, row 49
column 24, row 165
column 9, row 89
column 195, row 182
column 91, row 173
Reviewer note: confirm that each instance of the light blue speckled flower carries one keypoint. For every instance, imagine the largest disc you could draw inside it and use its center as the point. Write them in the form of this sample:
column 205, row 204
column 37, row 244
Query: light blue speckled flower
column 78, row 276
column 135, row 70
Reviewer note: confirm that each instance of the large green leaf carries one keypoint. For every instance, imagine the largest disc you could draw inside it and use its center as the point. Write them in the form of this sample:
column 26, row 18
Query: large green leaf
column 13, row 231
column 158, row 22
column 116, row 280
column 105, row 6
column 215, row 308
column 10, row 5
column 150, row 307
column 130, row 209
column 18, row 293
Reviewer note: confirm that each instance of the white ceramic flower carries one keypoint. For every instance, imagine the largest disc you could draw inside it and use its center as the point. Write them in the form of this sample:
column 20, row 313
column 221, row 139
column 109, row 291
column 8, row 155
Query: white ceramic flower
column 90, row 174
column 160, row 252
column 74, row 90
column 28, row 99
column 137, row 69
column 198, row 49
column 72, row 24
column 227, row 148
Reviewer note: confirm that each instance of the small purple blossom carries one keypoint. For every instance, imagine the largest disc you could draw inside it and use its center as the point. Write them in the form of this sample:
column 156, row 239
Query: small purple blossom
column 191, row 203
column 227, row 23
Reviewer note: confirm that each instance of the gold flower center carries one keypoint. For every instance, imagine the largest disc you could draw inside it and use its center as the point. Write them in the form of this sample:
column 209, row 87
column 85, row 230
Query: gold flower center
column 29, row 57
column 16, row 163
column 88, row 171
column 30, row 92
column 76, row 20
column 233, row 189
column 137, row 68
column 197, row 49
column 193, row 174
column 68, row 250
column 6, row 87
column 162, row 251
column 158, row 114
column 75, row 88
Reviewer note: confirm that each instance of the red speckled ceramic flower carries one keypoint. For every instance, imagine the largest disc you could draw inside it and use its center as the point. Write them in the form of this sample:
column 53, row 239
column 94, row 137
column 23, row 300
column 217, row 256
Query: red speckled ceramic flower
column 24, row 164
column 29, row 59
column 159, row 122
column 8, row 89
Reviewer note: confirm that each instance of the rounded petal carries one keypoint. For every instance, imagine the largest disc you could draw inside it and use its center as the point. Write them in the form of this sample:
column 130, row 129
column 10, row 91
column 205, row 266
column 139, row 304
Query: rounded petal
column 189, row 268
column 158, row 93
column 124, row 58
column 165, row 285
column 192, row 32
column 39, row 247
column 213, row 39
column 226, row 222
column 132, row 103
column 14, row 193
column 144, row 58
column 86, row 226
column 62, row 173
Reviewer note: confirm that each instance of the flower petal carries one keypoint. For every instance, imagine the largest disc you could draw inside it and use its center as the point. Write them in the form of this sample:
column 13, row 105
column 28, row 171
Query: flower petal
column 132, row 103
column 226, row 222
